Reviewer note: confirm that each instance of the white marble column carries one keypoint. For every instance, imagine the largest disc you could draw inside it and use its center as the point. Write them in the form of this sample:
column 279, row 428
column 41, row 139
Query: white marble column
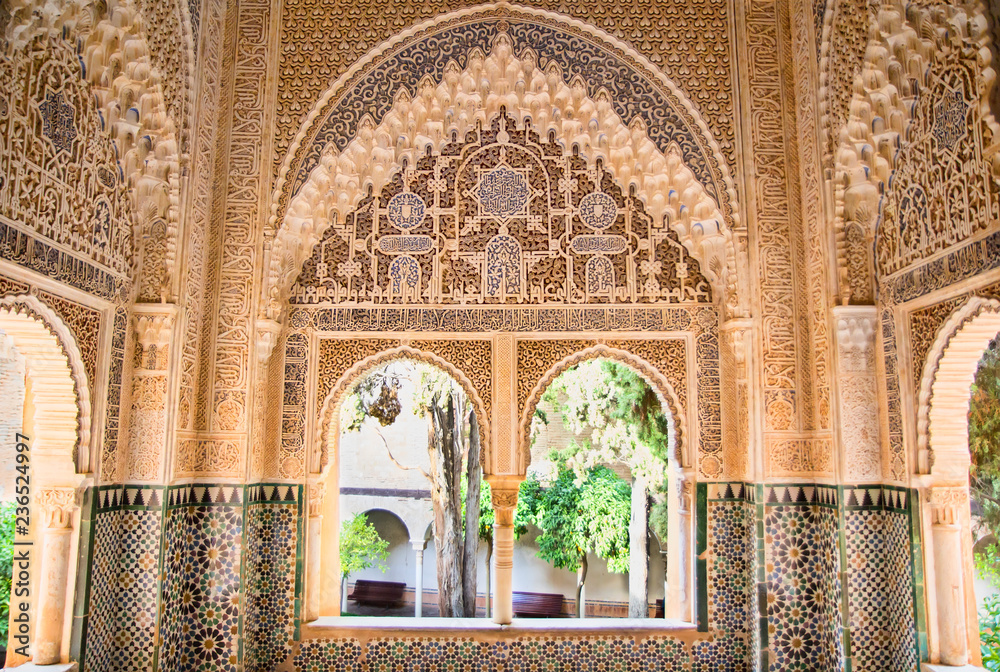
column 418, row 550
column 57, row 506
column 314, row 551
column 504, row 504
column 946, row 526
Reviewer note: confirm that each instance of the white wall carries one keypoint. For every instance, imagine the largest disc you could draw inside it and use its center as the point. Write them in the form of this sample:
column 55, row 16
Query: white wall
column 11, row 414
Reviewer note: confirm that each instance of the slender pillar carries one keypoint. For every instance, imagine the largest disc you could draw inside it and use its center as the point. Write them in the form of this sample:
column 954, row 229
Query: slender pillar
column 946, row 526
column 57, row 506
column 504, row 504
column 638, row 569
column 314, row 550
column 418, row 550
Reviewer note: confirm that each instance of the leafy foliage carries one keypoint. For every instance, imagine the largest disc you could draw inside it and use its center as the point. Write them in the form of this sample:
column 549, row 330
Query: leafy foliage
column 577, row 518
column 619, row 418
column 361, row 546
column 984, row 438
column 989, row 633
column 6, row 564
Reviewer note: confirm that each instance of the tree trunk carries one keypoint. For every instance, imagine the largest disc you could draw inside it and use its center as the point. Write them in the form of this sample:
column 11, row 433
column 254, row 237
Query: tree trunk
column 638, row 573
column 581, row 578
column 445, row 488
column 473, row 477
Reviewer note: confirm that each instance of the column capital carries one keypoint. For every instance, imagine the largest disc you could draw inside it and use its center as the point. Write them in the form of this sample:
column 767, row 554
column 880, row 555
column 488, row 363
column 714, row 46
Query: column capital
column 947, row 504
column 268, row 332
column 58, row 506
column 503, row 492
column 316, row 492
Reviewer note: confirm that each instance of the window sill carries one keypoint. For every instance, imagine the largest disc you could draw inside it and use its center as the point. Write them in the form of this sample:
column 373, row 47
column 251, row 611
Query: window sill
column 370, row 627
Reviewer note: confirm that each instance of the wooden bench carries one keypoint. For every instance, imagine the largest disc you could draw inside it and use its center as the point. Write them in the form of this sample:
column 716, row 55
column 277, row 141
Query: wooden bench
column 537, row 605
column 378, row 593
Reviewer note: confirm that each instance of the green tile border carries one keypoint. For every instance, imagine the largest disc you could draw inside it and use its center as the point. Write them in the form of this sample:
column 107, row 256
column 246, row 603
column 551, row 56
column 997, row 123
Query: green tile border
column 701, row 548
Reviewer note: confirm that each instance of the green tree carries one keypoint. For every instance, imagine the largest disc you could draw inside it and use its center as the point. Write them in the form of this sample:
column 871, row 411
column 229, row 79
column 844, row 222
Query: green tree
column 984, row 482
column 361, row 547
column 577, row 518
column 6, row 565
column 984, row 438
column 617, row 417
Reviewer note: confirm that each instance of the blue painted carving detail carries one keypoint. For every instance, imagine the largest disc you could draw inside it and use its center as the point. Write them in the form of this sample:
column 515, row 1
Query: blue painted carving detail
column 404, row 273
column 502, row 193
column 598, row 210
column 600, row 275
column 58, row 121
column 632, row 93
column 913, row 210
column 503, row 266
column 950, row 119
column 406, row 211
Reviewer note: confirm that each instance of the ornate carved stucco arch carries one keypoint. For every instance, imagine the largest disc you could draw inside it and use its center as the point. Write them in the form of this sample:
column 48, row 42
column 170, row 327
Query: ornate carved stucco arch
column 648, row 134
column 328, row 431
column 664, row 391
column 59, row 387
column 116, row 61
column 906, row 42
column 944, row 395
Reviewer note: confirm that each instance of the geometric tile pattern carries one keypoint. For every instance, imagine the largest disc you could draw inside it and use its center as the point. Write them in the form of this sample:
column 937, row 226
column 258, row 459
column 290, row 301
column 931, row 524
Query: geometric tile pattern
column 570, row 654
column 200, row 597
column 273, row 520
column 99, row 652
column 879, row 580
column 139, row 568
column 731, row 538
column 802, row 577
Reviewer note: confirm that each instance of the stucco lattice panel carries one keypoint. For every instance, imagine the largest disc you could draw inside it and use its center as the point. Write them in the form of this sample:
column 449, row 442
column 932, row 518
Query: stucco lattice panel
column 322, row 38
column 61, row 179
column 338, row 355
column 893, row 455
column 926, row 322
column 943, row 160
column 501, row 216
column 272, row 537
column 473, row 358
column 207, row 162
column 787, row 384
column 85, row 323
column 102, row 626
column 536, row 358
column 201, row 588
column 803, row 588
column 232, row 356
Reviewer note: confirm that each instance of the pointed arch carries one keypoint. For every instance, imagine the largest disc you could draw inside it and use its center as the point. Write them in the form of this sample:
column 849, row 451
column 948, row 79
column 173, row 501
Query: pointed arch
column 60, row 390
column 328, row 431
column 335, row 160
column 664, row 391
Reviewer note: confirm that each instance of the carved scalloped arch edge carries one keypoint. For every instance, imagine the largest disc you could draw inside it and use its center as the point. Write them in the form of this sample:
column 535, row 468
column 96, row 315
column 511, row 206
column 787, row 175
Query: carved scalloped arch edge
column 148, row 145
column 661, row 386
column 342, row 84
column 329, row 415
column 32, row 307
column 914, row 34
column 969, row 312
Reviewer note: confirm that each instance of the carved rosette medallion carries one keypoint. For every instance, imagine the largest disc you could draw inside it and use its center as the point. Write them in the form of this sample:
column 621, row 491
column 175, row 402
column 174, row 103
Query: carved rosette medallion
column 502, row 193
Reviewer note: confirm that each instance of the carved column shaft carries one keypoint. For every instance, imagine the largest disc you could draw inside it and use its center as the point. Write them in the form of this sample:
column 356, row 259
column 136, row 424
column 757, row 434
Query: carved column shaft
column 154, row 326
column 949, row 572
column 314, row 550
column 857, row 393
column 504, row 504
column 58, row 507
